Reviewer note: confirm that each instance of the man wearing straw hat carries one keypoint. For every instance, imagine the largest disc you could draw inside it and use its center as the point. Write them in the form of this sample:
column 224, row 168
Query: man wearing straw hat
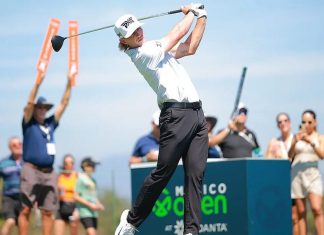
column 38, row 179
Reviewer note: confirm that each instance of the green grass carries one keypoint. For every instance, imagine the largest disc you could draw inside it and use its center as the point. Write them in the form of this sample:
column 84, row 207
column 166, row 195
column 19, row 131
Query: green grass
column 108, row 219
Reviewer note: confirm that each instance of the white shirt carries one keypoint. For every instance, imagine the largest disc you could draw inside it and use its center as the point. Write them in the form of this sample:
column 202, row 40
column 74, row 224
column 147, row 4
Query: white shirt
column 163, row 73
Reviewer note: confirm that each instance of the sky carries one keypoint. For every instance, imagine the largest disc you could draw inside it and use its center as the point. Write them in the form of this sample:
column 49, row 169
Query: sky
column 281, row 43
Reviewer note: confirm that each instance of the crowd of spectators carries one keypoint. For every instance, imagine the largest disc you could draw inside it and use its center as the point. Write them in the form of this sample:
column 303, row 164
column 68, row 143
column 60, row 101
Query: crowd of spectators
column 76, row 192
column 303, row 149
column 31, row 182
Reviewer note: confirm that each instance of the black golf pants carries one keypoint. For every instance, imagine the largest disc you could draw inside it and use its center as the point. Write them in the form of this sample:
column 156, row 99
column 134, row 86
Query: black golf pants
column 183, row 136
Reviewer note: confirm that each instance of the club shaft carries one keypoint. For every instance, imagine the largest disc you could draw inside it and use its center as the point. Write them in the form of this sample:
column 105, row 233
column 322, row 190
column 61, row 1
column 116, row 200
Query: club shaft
column 239, row 91
column 110, row 26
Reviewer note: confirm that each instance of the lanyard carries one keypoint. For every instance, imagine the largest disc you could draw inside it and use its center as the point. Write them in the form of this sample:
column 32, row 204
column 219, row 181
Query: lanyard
column 45, row 131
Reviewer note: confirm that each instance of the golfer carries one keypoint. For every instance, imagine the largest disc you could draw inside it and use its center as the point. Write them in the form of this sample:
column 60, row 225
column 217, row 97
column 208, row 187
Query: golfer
column 182, row 122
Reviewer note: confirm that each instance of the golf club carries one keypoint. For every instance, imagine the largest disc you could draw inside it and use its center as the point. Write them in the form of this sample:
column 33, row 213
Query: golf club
column 239, row 92
column 57, row 41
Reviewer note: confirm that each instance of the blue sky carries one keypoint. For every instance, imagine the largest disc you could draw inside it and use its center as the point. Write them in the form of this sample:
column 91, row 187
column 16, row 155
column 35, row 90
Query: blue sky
column 281, row 43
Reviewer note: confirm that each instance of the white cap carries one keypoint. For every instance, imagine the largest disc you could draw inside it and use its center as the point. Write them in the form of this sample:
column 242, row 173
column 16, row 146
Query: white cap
column 242, row 106
column 126, row 25
column 156, row 117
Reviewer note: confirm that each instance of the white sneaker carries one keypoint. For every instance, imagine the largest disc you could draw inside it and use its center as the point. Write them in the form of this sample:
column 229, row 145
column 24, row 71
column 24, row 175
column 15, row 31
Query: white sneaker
column 125, row 228
column 188, row 234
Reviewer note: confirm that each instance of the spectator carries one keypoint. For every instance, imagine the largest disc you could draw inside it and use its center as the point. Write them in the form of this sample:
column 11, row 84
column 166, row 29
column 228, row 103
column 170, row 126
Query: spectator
column 38, row 178
column 86, row 197
column 182, row 123
column 147, row 147
column 278, row 148
column 237, row 140
column 213, row 152
column 10, row 172
column 67, row 213
column 306, row 150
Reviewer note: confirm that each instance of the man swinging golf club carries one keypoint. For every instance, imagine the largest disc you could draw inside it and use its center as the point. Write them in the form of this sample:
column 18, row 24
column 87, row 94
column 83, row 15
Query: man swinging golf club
column 182, row 123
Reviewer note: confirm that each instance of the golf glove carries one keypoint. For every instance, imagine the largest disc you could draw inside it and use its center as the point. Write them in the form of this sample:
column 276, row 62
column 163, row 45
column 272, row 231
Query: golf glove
column 201, row 13
column 195, row 9
column 195, row 6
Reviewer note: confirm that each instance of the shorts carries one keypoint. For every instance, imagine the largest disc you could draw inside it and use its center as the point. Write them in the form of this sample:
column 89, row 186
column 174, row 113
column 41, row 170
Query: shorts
column 38, row 186
column 89, row 222
column 305, row 180
column 65, row 211
column 11, row 207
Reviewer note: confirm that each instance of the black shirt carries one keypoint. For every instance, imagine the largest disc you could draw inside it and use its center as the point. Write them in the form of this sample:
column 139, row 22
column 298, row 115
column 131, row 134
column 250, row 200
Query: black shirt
column 239, row 144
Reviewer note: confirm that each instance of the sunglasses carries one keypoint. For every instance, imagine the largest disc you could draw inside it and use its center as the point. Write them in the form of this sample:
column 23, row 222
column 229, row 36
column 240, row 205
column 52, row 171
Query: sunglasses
column 41, row 107
column 309, row 122
column 282, row 121
column 242, row 111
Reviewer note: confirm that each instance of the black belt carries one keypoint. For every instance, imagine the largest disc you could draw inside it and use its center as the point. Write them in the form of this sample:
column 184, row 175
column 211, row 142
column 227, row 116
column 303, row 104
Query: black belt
column 42, row 169
column 182, row 105
column 45, row 169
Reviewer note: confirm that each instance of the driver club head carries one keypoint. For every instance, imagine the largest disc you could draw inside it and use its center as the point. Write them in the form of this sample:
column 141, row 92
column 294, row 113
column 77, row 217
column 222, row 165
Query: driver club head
column 57, row 42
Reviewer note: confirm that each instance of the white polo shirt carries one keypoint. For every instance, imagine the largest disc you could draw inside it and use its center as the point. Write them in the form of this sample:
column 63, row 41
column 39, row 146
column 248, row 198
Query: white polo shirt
column 163, row 73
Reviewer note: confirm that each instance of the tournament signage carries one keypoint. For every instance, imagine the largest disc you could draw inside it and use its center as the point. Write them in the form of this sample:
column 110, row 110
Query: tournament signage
column 241, row 196
column 46, row 52
column 73, row 50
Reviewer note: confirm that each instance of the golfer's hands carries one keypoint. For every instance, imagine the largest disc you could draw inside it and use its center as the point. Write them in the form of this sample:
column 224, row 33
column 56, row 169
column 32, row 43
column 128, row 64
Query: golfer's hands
column 193, row 7
column 201, row 13
column 198, row 10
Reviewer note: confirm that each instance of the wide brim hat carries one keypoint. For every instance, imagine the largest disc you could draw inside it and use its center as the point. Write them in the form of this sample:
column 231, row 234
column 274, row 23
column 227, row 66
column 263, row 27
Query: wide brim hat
column 42, row 102
column 126, row 25
column 212, row 120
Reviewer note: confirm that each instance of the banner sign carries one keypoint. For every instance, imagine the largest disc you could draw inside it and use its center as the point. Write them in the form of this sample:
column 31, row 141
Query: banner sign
column 73, row 51
column 47, row 49
column 244, row 196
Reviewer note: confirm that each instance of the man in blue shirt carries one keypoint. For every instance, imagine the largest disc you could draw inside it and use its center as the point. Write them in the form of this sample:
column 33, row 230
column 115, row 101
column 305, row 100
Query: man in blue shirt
column 10, row 172
column 147, row 147
column 38, row 179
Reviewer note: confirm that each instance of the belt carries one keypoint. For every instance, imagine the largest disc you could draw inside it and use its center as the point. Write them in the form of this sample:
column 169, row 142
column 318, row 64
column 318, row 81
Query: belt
column 182, row 105
column 42, row 169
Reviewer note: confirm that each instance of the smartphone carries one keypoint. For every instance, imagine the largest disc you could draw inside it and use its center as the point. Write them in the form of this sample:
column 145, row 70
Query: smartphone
column 302, row 128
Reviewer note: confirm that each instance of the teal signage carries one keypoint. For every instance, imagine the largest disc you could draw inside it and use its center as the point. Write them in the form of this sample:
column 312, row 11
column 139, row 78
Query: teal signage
column 240, row 196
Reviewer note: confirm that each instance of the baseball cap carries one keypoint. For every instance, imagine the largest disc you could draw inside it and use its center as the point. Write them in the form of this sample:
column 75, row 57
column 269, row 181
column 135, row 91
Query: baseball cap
column 126, row 25
column 88, row 161
column 41, row 101
column 242, row 108
column 156, row 117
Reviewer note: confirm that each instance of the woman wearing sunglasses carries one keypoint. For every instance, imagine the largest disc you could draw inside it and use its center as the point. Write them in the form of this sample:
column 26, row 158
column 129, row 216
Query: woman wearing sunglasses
column 306, row 150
